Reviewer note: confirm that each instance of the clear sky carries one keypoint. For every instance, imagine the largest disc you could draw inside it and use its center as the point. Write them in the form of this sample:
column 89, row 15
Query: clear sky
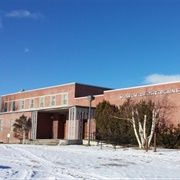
column 109, row 43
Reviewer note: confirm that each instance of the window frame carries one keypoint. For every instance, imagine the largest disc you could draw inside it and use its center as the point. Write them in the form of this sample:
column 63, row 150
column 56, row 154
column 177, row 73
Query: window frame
column 41, row 102
column 22, row 104
column 53, row 100
column 64, row 99
column 31, row 103
column 13, row 106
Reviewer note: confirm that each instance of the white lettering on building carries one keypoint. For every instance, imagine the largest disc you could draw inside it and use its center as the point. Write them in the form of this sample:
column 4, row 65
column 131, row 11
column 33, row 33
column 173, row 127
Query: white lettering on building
column 153, row 93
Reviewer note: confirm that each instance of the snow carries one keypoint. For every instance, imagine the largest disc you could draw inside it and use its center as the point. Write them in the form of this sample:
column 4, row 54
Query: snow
column 86, row 162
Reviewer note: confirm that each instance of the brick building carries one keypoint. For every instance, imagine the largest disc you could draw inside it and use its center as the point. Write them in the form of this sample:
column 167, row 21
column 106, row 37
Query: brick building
column 61, row 112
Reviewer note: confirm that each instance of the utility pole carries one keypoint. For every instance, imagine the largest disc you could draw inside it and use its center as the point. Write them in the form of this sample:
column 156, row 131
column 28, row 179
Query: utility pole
column 90, row 98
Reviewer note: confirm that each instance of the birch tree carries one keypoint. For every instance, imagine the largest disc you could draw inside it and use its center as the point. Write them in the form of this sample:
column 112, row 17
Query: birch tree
column 140, row 126
column 145, row 116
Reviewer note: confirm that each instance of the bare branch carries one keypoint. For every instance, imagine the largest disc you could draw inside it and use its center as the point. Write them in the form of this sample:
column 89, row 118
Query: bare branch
column 126, row 119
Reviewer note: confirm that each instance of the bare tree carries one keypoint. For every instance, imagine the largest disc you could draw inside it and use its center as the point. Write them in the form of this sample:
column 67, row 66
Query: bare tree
column 145, row 116
column 21, row 128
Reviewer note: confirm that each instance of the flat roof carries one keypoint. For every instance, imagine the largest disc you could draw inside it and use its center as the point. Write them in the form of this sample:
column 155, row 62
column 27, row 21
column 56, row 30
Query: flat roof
column 24, row 91
column 136, row 87
column 110, row 89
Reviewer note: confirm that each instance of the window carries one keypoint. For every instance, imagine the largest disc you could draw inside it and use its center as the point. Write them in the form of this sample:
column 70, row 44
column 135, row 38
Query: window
column 11, row 125
column 64, row 99
column 41, row 102
column 31, row 103
column 22, row 104
column 5, row 107
column 1, row 125
column 53, row 100
column 13, row 106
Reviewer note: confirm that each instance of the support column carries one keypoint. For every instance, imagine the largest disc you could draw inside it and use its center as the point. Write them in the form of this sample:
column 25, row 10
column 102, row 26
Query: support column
column 34, row 124
column 75, row 123
column 72, row 124
column 82, row 114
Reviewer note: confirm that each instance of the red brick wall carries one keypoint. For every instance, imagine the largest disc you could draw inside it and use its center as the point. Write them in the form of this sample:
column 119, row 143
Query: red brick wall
column 154, row 92
column 7, row 126
column 44, row 92
column 113, row 96
column 85, row 102
column 73, row 90
column 85, row 90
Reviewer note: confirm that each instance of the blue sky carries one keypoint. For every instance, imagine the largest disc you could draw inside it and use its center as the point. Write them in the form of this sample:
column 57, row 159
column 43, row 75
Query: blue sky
column 109, row 43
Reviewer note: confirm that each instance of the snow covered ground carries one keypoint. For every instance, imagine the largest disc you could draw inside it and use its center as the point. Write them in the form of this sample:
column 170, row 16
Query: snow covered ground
column 86, row 162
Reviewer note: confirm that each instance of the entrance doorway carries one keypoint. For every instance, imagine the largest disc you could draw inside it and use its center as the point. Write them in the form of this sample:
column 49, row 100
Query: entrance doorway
column 62, row 126
column 85, row 129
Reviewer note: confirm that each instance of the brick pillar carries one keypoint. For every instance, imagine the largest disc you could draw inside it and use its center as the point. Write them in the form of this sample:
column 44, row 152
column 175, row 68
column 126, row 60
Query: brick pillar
column 55, row 127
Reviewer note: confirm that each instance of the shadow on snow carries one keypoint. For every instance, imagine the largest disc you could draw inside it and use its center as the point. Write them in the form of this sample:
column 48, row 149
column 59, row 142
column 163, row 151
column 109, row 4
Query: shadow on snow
column 5, row 167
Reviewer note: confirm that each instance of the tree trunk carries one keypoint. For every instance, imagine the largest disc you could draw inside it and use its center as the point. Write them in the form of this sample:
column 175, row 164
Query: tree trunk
column 144, row 127
column 135, row 130
column 155, row 140
column 153, row 126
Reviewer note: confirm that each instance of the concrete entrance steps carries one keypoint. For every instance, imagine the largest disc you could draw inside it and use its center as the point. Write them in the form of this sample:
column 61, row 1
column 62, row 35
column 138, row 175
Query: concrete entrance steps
column 50, row 142
column 53, row 142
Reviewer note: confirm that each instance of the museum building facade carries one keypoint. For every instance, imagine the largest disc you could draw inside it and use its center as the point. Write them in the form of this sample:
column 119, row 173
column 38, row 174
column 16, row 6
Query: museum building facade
column 62, row 112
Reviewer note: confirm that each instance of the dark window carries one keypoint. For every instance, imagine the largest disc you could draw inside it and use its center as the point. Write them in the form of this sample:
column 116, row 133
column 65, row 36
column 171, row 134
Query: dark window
column 13, row 105
column 5, row 106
